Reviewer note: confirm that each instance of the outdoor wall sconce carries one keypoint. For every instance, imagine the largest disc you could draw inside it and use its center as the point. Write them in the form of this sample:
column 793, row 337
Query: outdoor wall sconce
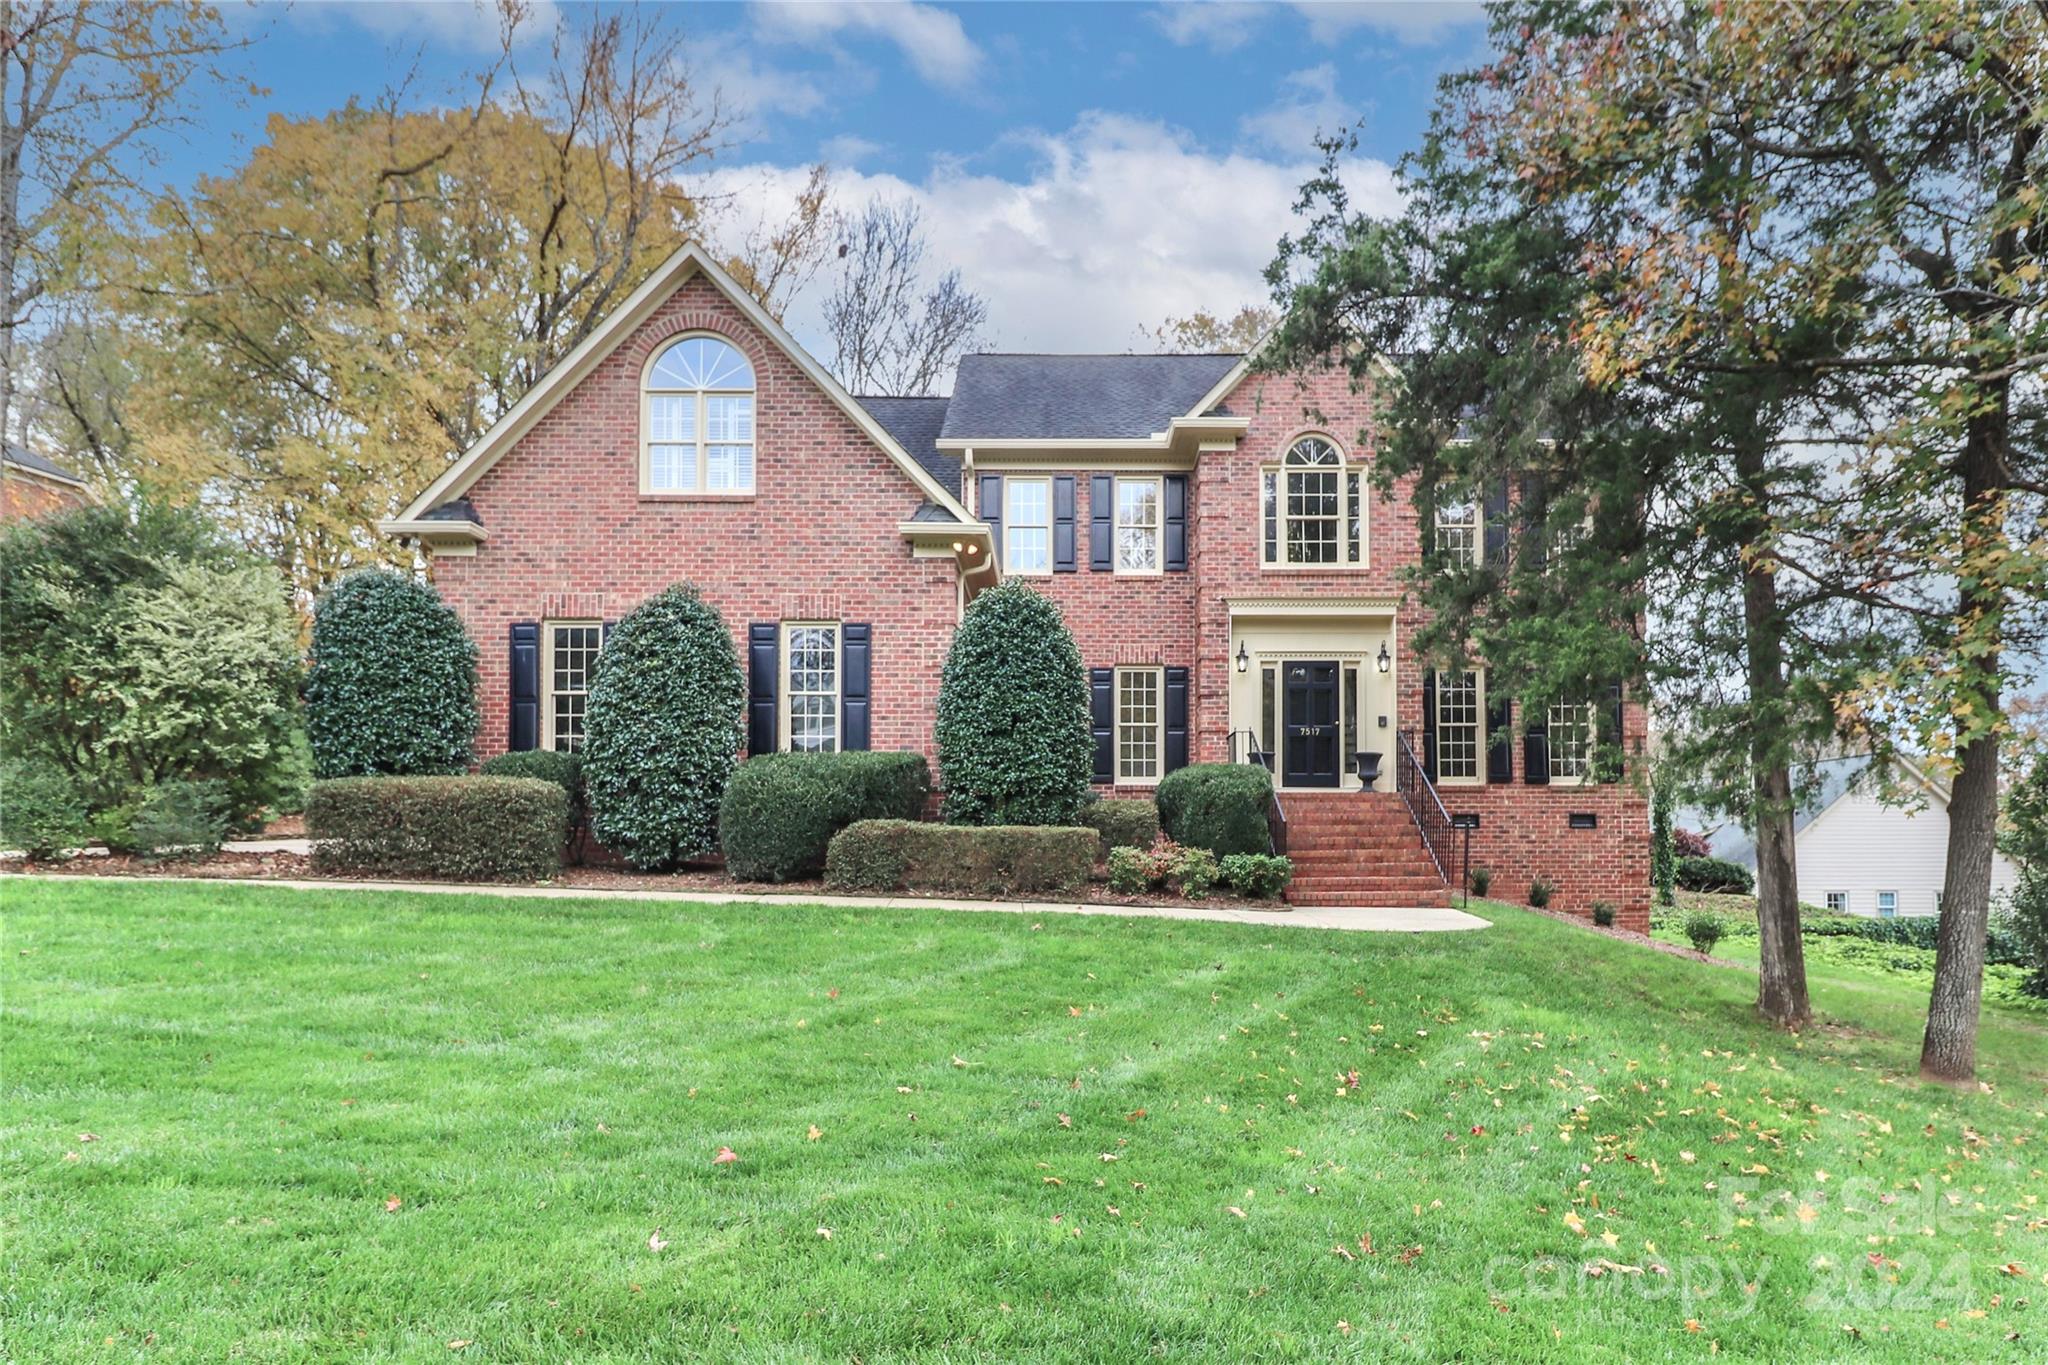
column 1244, row 660
column 1385, row 660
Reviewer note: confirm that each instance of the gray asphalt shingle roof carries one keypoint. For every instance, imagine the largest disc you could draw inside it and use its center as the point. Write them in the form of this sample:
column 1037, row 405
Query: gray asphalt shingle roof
column 915, row 423
column 1053, row 397
column 23, row 457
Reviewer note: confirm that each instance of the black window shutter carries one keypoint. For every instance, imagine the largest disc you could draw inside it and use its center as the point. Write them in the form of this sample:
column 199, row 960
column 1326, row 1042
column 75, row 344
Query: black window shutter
column 1496, row 517
column 1500, row 744
column 764, row 640
column 1101, row 523
column 1536, row 748
column 855, row 644
column 1063, row 523
column 1535, row 519
column 525, row 729
column 1429, row 723
column 989, row 501
column 1102, row 721
column 1176, row 718
column 1610, row 734
column 1176, row 523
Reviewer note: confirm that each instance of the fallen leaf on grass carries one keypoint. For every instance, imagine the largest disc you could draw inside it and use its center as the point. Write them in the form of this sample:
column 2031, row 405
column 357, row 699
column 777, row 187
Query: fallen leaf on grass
column 726, row 1156
column 1134, row 1116
column 88, row 1137
column 392, row 1204
column 825, row 1233
column 460, row 1344
column 1066, row 1120
column 656, row 1242
column 1575, row 1223
column 1234, row 1210
column 959, row 1061
column 814, row 1134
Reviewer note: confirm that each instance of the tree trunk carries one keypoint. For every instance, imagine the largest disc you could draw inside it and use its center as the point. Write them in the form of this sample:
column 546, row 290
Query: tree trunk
column 1948, row 1052
column 1781, row 977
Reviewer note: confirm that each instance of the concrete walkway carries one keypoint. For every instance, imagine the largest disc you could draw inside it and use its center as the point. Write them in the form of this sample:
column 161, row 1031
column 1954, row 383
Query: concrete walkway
column 1419, row 920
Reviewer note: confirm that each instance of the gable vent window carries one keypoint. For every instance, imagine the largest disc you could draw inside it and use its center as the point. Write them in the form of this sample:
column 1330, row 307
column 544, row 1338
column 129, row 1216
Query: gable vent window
column 1312, row 508
column 697, row 422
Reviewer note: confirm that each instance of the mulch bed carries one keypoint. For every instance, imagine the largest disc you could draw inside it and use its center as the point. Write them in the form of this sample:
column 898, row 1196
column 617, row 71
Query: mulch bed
column 595, row 877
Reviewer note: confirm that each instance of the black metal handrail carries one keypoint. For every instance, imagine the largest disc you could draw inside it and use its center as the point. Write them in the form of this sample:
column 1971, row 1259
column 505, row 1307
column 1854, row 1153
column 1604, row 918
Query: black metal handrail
column 1419, row 794
column 1251, row 751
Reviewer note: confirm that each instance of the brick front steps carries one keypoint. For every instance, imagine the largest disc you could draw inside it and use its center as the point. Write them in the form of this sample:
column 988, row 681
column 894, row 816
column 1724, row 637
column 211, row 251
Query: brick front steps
column 1358, row 848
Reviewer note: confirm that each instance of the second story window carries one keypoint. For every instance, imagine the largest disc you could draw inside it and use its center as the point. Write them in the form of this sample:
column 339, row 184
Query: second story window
column 1137, row 526
column 697, row 420
column 1457, row 532
column 1027, row 526
column 1312, row 508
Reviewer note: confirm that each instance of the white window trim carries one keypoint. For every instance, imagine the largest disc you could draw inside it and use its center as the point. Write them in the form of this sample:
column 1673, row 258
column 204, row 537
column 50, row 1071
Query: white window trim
column 1579, row 779
column 1478, row 778
column 786, row 694
column 1116, row 525
column 1010, row 483
column 1880, row 905
column 1345, row 467
column 547, row 672
column 1469, row 557
column 703, row 440
column 1829, row 898
column 1158, row 676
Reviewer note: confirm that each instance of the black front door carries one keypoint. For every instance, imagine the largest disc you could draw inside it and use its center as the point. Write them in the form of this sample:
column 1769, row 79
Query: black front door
column 1309, row 726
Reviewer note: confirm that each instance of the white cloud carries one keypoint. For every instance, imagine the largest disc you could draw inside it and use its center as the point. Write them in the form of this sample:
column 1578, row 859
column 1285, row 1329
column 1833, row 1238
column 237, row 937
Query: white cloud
column 1308, row 105
column 1219, row 25
column 749, row 92
column 1413, row 21
column 931, row 39
column 1120, row 224
column 848, row 149
column 465, row 25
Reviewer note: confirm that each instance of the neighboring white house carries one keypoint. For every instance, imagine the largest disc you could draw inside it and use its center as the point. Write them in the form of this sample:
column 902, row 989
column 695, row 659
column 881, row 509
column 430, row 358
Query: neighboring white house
column 1859, row 855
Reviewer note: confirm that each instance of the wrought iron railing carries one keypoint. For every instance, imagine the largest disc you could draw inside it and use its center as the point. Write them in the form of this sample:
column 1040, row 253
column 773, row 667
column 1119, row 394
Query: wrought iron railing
column 1419, row 794
column 1245, row 748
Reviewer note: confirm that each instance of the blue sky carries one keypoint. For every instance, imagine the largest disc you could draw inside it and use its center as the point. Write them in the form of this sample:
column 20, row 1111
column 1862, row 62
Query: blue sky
column 1090, row 168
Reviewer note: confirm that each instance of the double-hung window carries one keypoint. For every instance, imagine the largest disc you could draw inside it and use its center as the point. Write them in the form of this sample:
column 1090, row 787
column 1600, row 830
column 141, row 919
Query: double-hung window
column 1027, row 526
column 1137, row 526
column 1140, row 724
column 1887, row 905
column 1311, row 508
column 697, row 420
column 572, row 648
column 1570, row 735
column 1838, row 902
column 1460, row 728
column 810, row 667
column 1457, row 532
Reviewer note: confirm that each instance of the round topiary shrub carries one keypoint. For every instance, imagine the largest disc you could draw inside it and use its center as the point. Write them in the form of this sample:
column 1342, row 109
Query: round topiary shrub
column 662, row 731
column 1013, row 735
column 1217, row 806
column 392, row 688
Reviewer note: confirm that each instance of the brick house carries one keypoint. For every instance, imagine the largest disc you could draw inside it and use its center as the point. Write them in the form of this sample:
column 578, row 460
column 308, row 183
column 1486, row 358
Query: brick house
column 1230, row 575
column 32, row 486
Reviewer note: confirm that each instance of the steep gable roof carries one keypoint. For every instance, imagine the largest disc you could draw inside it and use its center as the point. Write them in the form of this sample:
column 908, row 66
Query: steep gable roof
column 999, row 397
column 915, row 423
column 22, row 458
column 688, row 261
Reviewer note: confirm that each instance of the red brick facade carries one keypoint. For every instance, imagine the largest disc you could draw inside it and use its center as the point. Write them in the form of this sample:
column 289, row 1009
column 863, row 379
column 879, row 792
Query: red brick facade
column 570, row 535
column 25, row 496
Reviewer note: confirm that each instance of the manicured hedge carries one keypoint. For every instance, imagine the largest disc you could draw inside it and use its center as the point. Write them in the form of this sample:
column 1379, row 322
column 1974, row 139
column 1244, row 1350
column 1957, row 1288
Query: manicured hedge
column 1122, row 822
column 393, row 683
column 466, row 828
column 973, row 860
column 1714, row 874
column 781, row 810
column 564, row 770
column 2001, row 943
column 1217, row 806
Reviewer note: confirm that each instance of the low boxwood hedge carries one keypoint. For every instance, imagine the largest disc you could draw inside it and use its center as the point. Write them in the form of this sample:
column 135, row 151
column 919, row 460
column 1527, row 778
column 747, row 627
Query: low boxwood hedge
column 1122, row 822
column 973, row 860
column 780, row 811
column 1217, row 806
column 1714, row 874
column 548, row 765
column 467, row 828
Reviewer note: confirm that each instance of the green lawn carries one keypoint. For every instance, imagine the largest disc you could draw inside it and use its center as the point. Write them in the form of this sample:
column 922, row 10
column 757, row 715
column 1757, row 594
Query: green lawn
column 364, row 1125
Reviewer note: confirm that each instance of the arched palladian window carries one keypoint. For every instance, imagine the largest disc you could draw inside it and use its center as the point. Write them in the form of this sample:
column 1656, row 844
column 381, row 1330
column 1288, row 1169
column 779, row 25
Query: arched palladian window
column 697, row 419
column 1312, row 508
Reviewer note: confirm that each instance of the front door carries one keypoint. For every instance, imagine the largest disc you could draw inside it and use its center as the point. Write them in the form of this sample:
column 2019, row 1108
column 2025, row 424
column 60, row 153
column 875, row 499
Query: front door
column 1309, row 727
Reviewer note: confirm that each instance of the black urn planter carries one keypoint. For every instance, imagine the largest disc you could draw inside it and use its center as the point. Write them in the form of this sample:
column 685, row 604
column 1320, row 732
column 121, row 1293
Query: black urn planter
column 1368, row 769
